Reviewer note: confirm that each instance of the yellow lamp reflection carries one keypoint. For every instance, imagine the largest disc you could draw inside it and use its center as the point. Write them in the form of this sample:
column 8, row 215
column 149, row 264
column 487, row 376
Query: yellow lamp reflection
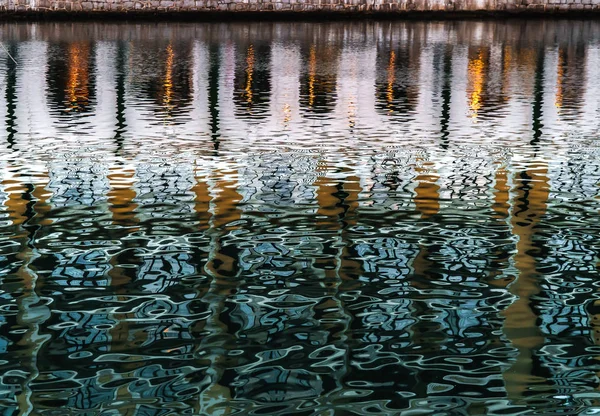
column 312, row 70
column 249, row 74
column 168, row 81
column 560, row 77
column 287, row 114
column 391, row 78
column 476, row 74
column 78, row 76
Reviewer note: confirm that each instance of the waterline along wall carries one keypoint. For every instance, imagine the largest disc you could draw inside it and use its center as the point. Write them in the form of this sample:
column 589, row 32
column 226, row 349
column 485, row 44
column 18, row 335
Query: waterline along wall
column 8, row 7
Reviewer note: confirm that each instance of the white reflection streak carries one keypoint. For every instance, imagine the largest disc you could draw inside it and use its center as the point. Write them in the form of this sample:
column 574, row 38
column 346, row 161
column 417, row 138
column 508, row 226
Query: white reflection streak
column 200, row 108
column 33, row 119
column 285, row 87
column 104, row 119
column 591, row 97
column 226, row 92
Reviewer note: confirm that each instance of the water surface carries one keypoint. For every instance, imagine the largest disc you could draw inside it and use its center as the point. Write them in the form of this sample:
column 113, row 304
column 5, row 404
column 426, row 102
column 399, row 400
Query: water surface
column 346, row 218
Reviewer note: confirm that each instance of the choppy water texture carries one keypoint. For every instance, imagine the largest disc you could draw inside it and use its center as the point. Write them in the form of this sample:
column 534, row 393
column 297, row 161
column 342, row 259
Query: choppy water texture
column 345, row 218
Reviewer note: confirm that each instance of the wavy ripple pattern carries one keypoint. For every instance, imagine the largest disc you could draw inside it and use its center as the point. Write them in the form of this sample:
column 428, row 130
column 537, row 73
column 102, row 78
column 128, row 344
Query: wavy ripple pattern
column 350, row 218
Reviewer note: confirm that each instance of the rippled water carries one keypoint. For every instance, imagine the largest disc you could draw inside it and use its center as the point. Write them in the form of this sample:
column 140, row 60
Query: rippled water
column 344, row 218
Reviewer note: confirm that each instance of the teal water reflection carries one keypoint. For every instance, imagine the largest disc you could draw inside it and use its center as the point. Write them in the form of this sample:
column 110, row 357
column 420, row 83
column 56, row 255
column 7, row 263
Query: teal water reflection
column 300, row 218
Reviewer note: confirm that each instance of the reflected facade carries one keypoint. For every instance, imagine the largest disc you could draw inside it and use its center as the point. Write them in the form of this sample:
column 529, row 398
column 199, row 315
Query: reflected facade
column 353, row 217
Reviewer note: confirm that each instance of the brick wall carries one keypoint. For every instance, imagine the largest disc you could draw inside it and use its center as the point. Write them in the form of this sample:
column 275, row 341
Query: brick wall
column 352, row 6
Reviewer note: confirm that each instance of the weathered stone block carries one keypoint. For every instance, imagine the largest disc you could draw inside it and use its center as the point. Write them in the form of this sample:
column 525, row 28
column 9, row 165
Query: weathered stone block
column 550, row 6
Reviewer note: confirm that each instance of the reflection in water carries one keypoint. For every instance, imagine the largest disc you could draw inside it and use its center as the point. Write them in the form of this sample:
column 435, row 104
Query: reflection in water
column 78, row 76
column 391, row 78
column 398, row 92
column 253, row 83
column 477, row 69
column 353, row 218
column 312, row 71
column 249, row 74
column 68, row 77
column 168, row 80
column 318, row 85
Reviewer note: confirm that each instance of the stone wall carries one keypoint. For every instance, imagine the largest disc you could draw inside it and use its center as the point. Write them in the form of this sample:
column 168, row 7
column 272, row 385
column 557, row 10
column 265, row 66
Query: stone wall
column 8, row 7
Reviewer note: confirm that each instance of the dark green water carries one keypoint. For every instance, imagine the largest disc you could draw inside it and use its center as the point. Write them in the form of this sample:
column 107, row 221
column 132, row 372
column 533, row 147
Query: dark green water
column 347, row 218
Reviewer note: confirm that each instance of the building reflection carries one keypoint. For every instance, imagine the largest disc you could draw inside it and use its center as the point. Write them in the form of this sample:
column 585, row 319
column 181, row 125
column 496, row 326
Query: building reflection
column 285, row 68
column 10, row 101
column 180, row 88
column 121, row 197
column 319, row 81
column 252, row 82
column 70, row 83
column 178, row 260
column 477, row 70
column 76, row 184
column 565, row 312
column 489, row 72
column 570, row 79
column 173, row 89
column 521, row 325
column 77, row 88
column 398, row 86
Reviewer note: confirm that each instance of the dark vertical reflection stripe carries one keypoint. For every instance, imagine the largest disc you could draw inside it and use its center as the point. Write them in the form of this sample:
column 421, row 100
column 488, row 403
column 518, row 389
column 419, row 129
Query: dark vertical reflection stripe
column 538, row 99
column 11, row 96
column 121, row 67
column 446, row 96
column 213, row 95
